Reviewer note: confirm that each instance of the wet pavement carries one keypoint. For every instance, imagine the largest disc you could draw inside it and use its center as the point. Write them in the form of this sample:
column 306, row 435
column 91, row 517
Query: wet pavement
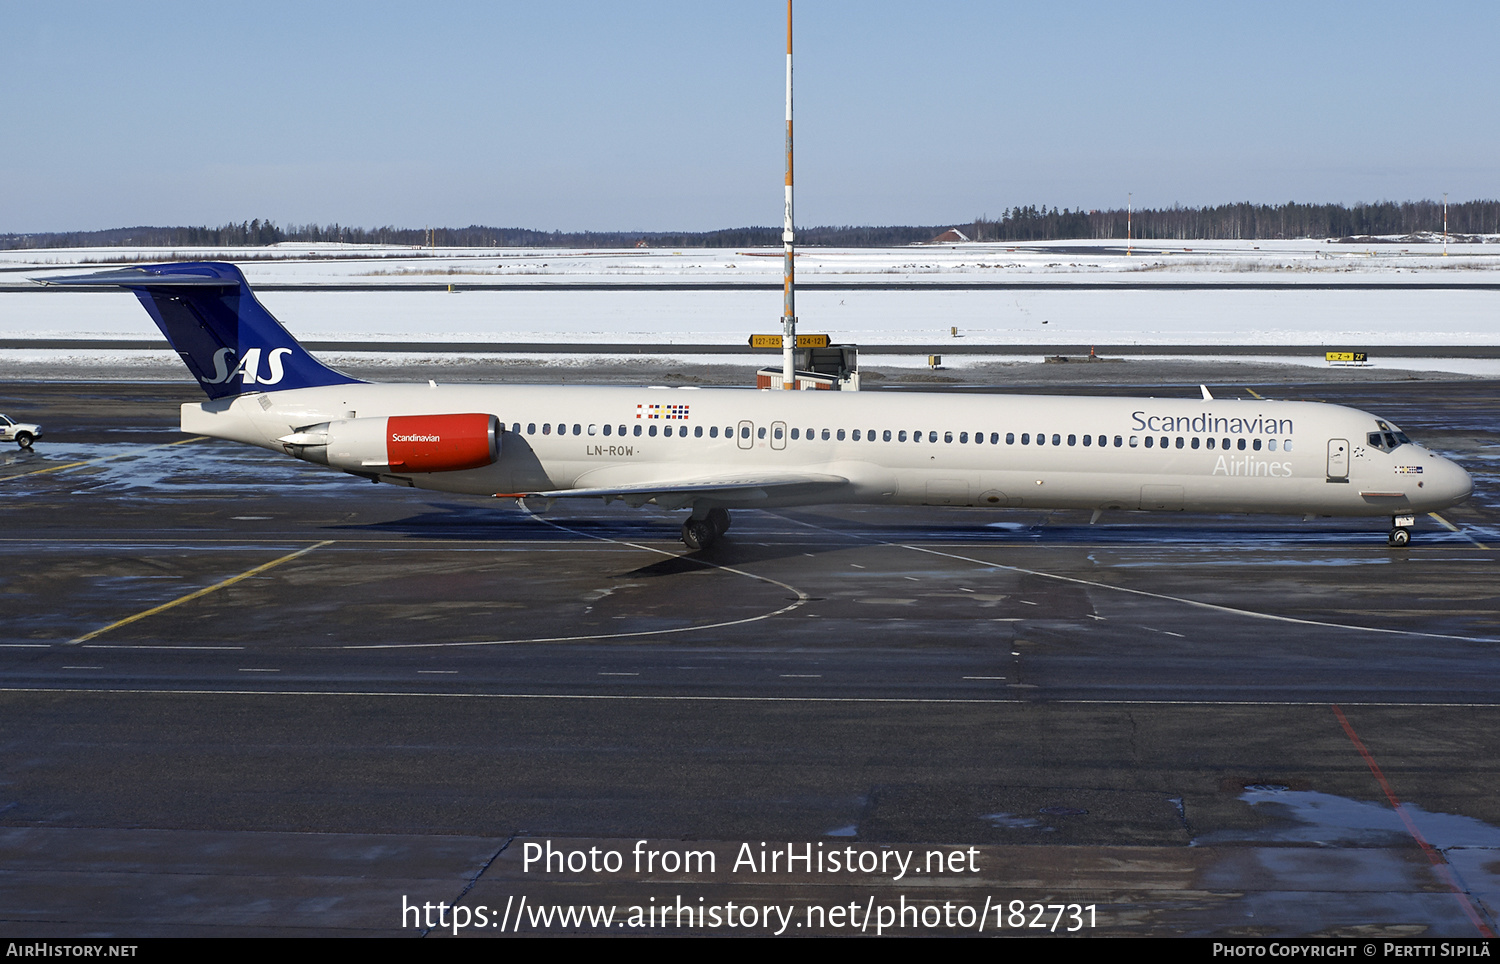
column 1200, row 725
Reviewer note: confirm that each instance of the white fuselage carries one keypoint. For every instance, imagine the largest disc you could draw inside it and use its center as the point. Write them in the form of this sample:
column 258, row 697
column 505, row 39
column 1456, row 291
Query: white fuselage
column 943, row 449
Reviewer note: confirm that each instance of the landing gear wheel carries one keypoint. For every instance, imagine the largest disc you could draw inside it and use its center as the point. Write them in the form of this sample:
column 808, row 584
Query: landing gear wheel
column 719, row 519
column 1399, row 537
column 698, row 534
column 24, row 440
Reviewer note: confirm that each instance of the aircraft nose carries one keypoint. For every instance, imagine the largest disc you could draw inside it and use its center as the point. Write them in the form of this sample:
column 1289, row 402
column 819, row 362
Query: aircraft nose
column 1451, row 482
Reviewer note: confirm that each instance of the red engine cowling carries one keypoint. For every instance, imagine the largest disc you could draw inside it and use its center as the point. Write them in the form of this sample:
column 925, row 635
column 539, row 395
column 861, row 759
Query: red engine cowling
column 441, row 443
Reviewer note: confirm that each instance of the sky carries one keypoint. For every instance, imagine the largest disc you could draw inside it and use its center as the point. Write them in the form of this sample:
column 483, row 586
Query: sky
column 574, row 115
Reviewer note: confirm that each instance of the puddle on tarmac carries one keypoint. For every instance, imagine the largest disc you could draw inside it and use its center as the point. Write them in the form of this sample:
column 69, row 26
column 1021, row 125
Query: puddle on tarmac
column 1310, row 817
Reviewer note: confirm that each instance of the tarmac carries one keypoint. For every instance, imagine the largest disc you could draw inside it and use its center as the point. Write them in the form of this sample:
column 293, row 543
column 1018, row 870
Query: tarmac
column 244, row 695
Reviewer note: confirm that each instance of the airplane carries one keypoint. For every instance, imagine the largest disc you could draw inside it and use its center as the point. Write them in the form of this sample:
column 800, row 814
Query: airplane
column 712, row 450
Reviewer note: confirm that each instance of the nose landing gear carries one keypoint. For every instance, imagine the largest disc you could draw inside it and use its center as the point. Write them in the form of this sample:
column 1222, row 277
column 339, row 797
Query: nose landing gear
column 1401, row 530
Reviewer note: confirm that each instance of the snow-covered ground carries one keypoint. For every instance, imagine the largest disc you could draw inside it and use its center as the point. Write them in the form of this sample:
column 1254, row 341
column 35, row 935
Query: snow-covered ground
column 1186, row 293
column 1208, row 262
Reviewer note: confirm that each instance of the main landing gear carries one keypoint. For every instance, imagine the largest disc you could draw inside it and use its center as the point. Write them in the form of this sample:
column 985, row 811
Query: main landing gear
column 1401, row 530
column 699, row 532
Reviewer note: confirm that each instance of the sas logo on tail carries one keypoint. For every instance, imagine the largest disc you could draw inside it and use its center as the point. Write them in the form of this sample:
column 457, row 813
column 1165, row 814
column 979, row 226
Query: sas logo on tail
column 248, row 368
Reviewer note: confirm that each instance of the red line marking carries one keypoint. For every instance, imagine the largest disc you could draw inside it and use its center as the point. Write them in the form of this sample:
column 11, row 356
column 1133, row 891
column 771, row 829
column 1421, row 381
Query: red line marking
column 1434, row 856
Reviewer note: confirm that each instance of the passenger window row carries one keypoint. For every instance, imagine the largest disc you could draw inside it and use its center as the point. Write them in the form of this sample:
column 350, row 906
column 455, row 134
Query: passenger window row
column 898, row 435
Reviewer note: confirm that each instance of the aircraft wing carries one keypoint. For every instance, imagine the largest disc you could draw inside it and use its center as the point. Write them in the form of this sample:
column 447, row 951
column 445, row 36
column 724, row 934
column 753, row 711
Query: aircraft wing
column 741, row 487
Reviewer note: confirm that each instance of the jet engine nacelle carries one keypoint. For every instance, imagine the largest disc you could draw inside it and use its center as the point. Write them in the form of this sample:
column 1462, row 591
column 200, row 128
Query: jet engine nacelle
column 400, row 443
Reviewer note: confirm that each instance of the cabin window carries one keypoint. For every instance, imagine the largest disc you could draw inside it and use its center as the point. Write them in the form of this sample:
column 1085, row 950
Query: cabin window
column 760, row 433
column 777, row 432
column 637, row 432
column 1072, row 440
column 1135, row 440
column 901, row 436
column 1165, row 441
column 697, row 431
column 1025, row 438
column 916, row 436
column 932, row 436
column 1148, row 441
column 1179, row 441
column 1041, row 438
column 855, row 436
column 963, row 437
column 713, row 431
column 651, row 431
column 515, row 429
column 530, row 428
column 1086, row 442
column 1242, row 445
column 1010, row 438
column 744, row 431
column 593, row 429
column 1270, row 445
column 948, row 437
column 608, row 429
column 577, row 429
column 841, row 435
column 1056, row 439
column 825, row 435
column 546, row 428
column 1286, row 446
column 796, row 433
column 885, row 436
column 1195, row 441
column 1256, row 445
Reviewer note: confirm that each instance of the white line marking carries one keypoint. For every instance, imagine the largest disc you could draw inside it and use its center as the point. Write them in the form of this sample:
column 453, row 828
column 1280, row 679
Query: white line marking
column 802, row 598
column 579, row 697
column 151, row 646
column 1150, row 595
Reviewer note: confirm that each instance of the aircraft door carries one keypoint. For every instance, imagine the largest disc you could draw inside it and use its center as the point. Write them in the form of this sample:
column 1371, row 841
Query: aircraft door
column 778, row 435
column 745, row 435
column 1338, row 460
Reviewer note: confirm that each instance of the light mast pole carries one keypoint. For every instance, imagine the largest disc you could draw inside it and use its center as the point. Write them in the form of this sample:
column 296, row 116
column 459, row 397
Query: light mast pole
column 789, row 312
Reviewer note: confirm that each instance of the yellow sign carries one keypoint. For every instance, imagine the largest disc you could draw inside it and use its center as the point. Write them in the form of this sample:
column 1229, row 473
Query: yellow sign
column 1345, row 356
column 774, row 341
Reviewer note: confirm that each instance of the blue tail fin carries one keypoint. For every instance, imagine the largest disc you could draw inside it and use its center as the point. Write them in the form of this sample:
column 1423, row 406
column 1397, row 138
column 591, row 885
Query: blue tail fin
column 228, row 339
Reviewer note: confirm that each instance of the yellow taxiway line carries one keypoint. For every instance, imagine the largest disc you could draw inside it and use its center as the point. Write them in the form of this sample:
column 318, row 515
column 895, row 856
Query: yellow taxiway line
column 201, row 592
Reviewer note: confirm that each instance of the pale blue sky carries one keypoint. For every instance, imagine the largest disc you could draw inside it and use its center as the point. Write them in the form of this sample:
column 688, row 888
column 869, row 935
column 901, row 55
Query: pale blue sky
column 668, row 115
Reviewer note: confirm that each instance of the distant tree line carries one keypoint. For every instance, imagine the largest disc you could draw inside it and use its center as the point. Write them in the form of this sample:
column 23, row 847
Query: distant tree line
column 1243, row 221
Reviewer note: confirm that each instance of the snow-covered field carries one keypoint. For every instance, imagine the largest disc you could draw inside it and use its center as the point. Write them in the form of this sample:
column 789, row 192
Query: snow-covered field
column 1185, row 293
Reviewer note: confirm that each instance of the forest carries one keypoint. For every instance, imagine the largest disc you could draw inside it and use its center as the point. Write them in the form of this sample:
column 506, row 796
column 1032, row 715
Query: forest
column 1366, row 223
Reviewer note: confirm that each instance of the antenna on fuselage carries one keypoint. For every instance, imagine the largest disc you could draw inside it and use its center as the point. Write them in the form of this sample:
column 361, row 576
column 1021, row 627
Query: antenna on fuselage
column 789, row 312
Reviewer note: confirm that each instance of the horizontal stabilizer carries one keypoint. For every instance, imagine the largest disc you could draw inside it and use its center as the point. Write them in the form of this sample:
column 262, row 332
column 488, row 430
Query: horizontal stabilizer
column 227, row 338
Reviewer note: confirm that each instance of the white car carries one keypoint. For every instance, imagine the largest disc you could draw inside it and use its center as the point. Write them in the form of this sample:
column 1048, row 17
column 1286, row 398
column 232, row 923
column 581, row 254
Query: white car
column 22, row 433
